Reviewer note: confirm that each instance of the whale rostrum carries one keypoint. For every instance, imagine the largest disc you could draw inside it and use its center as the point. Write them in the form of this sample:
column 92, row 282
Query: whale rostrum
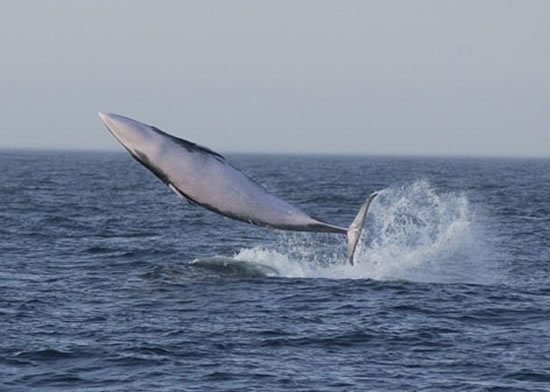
column 204, row 177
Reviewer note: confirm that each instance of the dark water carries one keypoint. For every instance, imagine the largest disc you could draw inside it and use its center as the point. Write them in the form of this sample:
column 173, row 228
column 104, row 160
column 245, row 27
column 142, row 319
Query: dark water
column 108, row 282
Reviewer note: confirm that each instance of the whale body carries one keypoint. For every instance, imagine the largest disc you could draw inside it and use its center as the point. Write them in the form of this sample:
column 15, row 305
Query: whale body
column 204, row 177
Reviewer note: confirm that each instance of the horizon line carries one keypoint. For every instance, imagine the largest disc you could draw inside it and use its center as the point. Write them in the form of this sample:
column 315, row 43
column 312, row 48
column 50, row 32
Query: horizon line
column 295, row 153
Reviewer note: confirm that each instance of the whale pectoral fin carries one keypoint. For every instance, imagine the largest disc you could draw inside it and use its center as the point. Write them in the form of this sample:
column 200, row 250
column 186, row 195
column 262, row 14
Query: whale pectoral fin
column 354, row 230
column 180, row 194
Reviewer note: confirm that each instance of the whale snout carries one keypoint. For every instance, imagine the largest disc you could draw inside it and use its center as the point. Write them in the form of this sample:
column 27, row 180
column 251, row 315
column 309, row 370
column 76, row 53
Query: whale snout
column 104, row 116
column 133, row 135
column 111, row 121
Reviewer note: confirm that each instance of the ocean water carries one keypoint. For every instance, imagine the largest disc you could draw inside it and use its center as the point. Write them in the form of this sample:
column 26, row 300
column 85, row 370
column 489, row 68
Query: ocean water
column 109, row 282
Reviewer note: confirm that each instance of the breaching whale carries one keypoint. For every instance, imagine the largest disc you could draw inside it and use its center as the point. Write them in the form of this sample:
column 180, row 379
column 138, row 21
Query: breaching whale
column 204, row 177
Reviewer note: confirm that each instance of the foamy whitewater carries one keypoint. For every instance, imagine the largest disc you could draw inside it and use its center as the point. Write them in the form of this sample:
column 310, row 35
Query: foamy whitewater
column 109, row 282
column 412, row 233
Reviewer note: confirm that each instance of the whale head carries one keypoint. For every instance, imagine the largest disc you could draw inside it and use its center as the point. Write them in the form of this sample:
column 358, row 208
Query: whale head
column 144, row 142
column 136, row 137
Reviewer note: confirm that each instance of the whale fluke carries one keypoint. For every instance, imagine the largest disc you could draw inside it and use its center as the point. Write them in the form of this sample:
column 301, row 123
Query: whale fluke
column 354, row 230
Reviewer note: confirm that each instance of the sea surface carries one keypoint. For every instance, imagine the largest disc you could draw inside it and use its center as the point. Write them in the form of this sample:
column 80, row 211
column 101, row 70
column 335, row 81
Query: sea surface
column 109, row 282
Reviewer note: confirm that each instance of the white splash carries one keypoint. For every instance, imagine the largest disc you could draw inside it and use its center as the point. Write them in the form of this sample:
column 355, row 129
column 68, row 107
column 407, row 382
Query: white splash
column 412, row 233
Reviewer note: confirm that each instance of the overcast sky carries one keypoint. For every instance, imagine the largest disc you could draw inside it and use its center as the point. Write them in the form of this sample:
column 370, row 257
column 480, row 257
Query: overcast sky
column 367, row 77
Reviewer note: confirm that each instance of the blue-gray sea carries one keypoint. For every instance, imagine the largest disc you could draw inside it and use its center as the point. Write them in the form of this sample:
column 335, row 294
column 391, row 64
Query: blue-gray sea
column 109, row 282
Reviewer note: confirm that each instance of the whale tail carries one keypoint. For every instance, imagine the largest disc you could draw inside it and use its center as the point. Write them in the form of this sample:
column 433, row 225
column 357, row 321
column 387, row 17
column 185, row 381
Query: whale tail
column 354, row 230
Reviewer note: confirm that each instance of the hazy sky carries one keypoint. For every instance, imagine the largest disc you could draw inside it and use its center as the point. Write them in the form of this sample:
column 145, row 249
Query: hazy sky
column 368, row 77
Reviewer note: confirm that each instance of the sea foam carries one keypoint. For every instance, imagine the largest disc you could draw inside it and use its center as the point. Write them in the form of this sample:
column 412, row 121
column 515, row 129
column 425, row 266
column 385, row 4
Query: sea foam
column 412, row 232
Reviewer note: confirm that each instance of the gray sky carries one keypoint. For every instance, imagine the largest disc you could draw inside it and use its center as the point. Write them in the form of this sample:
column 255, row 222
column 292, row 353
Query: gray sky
column 368, row 77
